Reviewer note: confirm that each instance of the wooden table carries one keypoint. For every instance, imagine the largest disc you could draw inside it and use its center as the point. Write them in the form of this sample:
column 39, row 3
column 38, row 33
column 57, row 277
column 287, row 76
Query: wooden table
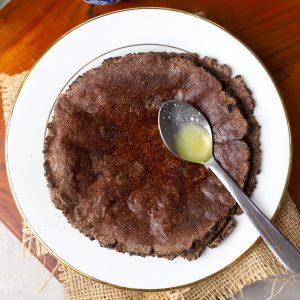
column 270, row 28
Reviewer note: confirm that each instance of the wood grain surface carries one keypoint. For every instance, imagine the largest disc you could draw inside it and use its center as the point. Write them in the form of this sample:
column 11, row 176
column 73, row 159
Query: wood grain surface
column 270, row 28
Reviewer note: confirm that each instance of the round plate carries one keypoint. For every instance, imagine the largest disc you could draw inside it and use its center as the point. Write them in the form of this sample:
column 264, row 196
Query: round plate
column 87, row 45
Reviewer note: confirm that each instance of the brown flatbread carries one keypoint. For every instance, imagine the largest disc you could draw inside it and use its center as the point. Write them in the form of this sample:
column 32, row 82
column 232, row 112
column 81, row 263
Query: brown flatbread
column 113, row 178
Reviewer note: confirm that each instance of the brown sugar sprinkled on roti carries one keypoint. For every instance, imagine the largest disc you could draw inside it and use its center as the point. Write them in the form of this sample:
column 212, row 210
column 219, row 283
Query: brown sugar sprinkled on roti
column 113, row 178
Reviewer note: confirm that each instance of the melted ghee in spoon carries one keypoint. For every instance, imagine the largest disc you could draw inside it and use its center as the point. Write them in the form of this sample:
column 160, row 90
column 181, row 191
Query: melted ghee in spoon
column 193, row 143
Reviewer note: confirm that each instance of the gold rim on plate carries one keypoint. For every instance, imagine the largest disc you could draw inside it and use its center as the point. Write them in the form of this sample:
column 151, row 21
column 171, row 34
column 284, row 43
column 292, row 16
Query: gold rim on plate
column 175, row 287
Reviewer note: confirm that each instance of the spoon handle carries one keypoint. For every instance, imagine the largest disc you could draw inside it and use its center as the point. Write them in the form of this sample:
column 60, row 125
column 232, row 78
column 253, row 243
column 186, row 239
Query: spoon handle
column 285, row 251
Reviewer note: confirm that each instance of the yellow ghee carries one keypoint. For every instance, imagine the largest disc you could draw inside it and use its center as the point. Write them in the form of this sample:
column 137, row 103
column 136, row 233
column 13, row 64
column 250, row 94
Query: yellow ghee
column 193, row 143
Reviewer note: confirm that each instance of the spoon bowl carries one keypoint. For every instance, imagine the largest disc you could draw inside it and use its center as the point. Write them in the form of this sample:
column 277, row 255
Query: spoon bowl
column 172, row 116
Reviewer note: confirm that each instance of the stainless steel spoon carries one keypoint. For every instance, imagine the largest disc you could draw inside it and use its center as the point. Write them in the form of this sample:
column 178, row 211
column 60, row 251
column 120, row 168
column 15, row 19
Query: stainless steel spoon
column 172, row 116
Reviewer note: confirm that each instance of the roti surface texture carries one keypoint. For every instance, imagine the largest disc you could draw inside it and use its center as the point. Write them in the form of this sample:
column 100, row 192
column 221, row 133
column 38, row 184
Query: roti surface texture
column 113, row 178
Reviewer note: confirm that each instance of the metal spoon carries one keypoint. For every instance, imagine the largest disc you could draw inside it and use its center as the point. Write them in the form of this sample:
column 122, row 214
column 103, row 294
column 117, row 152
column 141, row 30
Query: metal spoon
column 174, row 114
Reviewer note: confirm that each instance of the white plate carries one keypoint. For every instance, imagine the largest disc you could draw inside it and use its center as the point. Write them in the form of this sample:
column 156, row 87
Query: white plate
column 120, row 33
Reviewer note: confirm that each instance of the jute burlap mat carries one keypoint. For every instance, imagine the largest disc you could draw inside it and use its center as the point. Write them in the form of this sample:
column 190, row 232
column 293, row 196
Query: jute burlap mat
column 258, row 264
